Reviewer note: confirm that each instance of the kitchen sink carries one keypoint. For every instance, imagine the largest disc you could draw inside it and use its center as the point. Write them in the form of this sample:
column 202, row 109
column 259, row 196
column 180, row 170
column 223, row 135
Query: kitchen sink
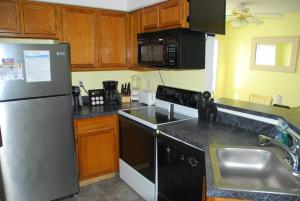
column 253, row 169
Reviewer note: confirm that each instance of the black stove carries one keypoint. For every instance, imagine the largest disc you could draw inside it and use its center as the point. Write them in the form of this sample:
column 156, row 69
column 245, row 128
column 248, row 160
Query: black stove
column 155, row 115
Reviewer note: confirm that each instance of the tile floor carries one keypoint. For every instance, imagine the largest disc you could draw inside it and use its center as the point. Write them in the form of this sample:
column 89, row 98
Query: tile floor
column 108, row 190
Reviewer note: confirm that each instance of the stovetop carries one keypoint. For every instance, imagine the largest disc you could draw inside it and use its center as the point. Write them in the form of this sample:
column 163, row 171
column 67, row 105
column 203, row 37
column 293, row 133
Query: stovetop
column 155, row 115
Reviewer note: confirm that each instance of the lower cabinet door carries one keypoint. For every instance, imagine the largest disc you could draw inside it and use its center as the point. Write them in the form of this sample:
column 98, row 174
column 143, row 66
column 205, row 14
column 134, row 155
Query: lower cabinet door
column 96, row 153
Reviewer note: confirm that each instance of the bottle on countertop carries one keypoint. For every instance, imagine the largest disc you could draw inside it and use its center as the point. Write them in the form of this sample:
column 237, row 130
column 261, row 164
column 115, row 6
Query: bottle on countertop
column 282, row 135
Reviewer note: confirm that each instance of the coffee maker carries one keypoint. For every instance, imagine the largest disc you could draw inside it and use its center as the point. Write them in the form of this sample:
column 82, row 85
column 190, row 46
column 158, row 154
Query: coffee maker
column 77, row 99
column 112, row 96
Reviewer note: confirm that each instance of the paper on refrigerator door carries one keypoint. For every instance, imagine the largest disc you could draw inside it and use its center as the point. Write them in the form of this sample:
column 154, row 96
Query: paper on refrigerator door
column 37, row 65
column 10, row 72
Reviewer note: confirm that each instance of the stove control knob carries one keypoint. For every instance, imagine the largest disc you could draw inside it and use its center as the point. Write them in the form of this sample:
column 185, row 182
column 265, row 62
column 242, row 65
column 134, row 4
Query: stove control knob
column 193, row 162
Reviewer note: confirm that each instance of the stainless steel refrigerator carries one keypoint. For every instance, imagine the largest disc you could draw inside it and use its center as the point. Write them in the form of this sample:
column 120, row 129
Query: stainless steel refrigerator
column 37, row 154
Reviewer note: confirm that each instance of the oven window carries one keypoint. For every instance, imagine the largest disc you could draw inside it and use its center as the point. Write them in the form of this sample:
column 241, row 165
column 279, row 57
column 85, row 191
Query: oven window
column 158, row 53
column 137, row 147
column 146, row 53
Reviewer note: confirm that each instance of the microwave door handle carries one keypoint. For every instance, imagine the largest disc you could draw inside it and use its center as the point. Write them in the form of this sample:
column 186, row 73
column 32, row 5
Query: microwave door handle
column 165, row 53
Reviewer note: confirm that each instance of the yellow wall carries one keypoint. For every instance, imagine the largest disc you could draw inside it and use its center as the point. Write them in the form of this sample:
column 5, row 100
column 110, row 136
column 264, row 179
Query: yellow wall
column 240, row 81
column 93, row 80
column 190, row 79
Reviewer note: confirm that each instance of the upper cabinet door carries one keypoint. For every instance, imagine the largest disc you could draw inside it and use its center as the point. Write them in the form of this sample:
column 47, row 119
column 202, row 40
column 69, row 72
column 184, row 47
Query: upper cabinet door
column 150, row 18
column 9, row 17
column 134, row 27
column 39, row 18
column 170, row 13
column 78, row 27
column 112, row 39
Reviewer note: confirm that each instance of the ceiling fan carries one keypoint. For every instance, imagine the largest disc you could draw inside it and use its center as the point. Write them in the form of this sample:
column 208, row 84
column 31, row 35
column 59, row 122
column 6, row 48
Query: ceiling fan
column 241, row 16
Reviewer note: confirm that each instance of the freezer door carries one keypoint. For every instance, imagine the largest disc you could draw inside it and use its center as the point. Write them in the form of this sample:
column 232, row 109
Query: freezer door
column 36, row 76
column 37, row 157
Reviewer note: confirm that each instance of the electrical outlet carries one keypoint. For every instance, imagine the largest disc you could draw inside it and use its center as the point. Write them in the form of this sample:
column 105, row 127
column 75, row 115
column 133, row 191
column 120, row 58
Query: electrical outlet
column 80, row 83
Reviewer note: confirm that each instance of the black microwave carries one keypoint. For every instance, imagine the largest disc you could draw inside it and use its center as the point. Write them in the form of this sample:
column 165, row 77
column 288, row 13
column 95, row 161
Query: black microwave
column 172, row 49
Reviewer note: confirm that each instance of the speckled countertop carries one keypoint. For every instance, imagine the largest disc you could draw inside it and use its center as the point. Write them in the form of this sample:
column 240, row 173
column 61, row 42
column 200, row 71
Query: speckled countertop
column 292, row 117
column 202, row 134
column 93, row 111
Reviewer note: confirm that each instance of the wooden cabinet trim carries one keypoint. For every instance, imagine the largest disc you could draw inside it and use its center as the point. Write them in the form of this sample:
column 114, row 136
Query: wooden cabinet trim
column 67, row 35
column 83, row 158
column 104, row 53
column 109, row 136
column 224, row 199
column 73, row 9
column 133, row 28
column 17, row 18
column 96, row 123
column 155, row 23
column 177, row 21
column 29, row 28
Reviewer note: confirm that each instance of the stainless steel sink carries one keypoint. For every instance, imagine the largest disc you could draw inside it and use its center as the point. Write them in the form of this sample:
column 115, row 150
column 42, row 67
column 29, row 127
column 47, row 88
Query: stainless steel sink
column 253, row 169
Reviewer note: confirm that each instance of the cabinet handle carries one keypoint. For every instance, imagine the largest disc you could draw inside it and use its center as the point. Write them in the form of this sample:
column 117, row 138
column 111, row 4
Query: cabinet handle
column 188, row 18
column 1, row 143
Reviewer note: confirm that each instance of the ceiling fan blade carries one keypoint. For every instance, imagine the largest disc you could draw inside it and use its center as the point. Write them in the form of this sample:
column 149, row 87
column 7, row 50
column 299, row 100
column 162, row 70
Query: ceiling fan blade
column 268, row 15
column 254, row 20
column 239, row 22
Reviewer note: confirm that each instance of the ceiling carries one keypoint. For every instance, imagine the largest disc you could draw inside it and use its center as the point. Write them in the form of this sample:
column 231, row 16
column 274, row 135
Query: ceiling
column 256, row 6
column 266, row 6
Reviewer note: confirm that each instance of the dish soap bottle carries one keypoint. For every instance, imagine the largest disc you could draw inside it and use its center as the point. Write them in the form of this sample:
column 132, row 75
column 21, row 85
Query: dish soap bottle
column 282, row 136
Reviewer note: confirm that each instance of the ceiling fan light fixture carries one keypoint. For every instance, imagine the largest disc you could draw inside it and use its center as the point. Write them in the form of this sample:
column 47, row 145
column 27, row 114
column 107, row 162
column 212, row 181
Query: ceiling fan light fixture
column 239, row 22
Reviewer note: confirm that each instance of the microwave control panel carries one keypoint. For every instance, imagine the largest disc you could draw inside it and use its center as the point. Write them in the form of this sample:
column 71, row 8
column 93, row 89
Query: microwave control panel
column 172, row 55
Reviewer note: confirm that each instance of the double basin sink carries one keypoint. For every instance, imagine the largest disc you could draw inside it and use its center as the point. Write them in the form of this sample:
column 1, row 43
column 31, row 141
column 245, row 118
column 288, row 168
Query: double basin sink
column 257, row 169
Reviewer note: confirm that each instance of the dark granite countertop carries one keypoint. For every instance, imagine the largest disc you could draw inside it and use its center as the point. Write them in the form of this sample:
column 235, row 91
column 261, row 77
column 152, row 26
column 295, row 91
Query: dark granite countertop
column 93, row 111
column 202, row 134
column 292, row 117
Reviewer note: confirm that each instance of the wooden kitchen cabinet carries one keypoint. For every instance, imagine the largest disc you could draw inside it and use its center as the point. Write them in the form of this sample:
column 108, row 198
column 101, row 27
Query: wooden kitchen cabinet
column 224, row 199
column 97, row 145
column 78, row 29
column 39, row 18
column 166, row 15
column 150, row 18
column 9, row 17
column 112, row 39
column 170, row 13
column 134, row 27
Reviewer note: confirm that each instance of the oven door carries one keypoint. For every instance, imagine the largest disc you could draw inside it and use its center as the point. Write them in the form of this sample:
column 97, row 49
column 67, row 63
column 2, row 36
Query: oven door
column 137, row 147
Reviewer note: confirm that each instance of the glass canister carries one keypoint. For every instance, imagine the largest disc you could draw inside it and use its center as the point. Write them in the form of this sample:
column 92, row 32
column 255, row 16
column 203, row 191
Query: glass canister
column 136, row 86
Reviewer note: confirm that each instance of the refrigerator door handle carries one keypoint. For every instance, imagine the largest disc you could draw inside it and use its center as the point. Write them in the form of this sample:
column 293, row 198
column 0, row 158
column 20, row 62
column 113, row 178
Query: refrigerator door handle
column 1, row 144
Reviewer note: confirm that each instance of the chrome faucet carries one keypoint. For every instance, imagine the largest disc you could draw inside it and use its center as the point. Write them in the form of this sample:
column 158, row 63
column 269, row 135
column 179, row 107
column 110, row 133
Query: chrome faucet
column 293, row 152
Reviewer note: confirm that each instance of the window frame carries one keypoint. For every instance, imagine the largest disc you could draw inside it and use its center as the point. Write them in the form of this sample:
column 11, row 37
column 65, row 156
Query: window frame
column 273, row 41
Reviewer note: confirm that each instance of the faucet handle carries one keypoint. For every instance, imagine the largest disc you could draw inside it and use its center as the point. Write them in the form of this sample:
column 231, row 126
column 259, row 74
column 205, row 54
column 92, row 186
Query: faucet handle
column 264, row 140
column 295, row 148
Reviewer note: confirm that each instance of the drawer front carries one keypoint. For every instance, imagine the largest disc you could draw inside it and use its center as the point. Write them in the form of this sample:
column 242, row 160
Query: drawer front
column 85, row 125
